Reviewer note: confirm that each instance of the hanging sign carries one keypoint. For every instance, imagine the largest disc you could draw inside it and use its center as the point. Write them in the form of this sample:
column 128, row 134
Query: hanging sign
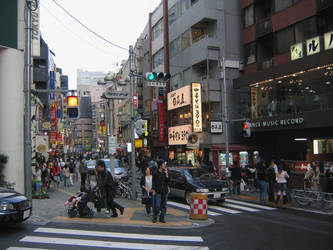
column 196, row 107
column 179, row 98
column 179, row 135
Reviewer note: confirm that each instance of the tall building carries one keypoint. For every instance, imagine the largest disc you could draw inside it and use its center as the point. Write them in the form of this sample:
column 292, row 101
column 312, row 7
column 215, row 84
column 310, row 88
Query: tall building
column 287, row 86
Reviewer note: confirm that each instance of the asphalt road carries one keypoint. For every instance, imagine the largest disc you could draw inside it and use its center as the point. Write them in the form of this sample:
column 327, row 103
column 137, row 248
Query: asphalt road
column 264, row 229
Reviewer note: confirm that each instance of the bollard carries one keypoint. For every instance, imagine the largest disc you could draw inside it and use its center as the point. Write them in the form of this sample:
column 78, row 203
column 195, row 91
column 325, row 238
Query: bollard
column 199, row 206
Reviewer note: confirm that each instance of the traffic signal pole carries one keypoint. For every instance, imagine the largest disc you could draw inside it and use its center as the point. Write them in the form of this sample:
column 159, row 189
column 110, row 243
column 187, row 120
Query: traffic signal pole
column 225, row 115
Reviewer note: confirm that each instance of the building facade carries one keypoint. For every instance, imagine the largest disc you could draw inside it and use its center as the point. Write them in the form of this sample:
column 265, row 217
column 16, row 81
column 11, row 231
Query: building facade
column 287, row 86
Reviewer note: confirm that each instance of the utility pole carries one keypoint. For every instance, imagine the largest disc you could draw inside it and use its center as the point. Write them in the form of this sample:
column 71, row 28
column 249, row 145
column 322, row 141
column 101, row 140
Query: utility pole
column 225, row 115
column 27, row 104
column 132, row 161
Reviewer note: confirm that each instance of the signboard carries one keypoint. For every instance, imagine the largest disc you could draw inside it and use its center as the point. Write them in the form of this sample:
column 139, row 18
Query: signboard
column 275, row 123
column 53, row 136
column 53, row 114
column 254, row 103
column 296, row 51
column 179, row 98
column 52, row 86
column 328, row 40
column 179, row 135
column 113, row 94
column 216, row 127
column 193, row 141
column 42, row 144
column 46, row 126
column 161, row 125
column 146, row 128
column 135, row 101
column 196, row 107
column 138, row 143
column 313, row 46
column 156, row 84
column 35, row 31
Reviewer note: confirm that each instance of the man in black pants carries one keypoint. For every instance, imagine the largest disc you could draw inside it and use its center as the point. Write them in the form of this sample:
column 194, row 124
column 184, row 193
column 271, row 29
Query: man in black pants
column 160, row 190
column 106, row 184
column 271, row 179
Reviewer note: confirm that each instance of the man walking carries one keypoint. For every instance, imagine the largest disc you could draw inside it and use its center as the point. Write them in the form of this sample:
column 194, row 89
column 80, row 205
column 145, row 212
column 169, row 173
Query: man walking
column 83, row 173
column 236, row 176
column 271, row 179
column 261, row 175
column 160, row 190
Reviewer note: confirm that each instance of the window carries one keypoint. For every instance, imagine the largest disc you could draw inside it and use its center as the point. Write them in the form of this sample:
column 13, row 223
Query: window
column 183, row 6
column 146, row 58
column 187, row 76
column 250, row 53
column 305, row 30
column 194, row 2
column 176, row 81
column 249, row 16
column 172, row 14
column 186, row 39
column 283, row 40
column 283, row 4
column 157, row 29
column 158, row 58
column 174, row 47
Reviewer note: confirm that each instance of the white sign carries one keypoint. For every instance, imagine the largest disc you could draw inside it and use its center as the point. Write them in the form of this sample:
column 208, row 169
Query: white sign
column 42, row 144
column 196, row 107
column 112, row 144
column 193, row 141
column 328, row 40
column 109, row 94
column 275, row 123
column 35, row 31
column 129, row 147
column 156, row 84
column 179, row 98
column 216, row 127
column 313, row 46
column 296, row 51
column 179, row 135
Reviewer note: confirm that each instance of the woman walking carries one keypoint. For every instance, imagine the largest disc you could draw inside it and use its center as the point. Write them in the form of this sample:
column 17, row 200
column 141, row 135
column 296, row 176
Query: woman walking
column 146, row 184
column 281, row 179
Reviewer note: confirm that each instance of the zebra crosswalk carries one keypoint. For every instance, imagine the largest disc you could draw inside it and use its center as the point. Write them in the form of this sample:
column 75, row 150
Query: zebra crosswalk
column 228, row 207
column 58, row 238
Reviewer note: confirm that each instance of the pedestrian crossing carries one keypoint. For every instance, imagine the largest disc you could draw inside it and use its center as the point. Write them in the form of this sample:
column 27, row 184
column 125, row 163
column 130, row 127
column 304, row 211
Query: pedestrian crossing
column 228, row 207
column 58, row 238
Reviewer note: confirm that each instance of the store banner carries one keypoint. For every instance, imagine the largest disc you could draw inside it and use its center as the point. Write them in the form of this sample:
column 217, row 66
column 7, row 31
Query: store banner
column 35, row 31
column 179, row 98
column 53, row 114
column 161, row 125
column 179, row 135
column 52, row 85
column 196, row 107
column 53, row 137
column 254, row 103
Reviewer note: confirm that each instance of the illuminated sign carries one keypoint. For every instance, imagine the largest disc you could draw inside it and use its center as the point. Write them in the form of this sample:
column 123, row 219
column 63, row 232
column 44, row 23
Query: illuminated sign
column 254, row 103
column 313, row 46
column 179, row 135
column 328, row 40
column 296, row 51
column 276, row 123
column 196, row 107
column 138, row 143
column 179, row 98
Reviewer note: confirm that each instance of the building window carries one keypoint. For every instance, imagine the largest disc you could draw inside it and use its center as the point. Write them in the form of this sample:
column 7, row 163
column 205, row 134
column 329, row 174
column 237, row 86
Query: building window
column 178, row 9
column 305, row 30
column 283, row 4
column 146, row 58
column 157, row 29
column 283, row 40
column 249, row 16
column 187, row 76
column 172, row 14
column 174, row 47
column 185, row 40
column 183, row 6
column 194, row 2
column 250, row 53
column 158, row 58
column 176, row 81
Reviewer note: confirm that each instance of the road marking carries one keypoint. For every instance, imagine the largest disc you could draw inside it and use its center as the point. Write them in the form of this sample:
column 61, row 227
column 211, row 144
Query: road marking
column 251, row 204
column 248, row 209
column 188, row 208
column 225, row 210
column 26, row 248
column 119, row 235
column 107, row 244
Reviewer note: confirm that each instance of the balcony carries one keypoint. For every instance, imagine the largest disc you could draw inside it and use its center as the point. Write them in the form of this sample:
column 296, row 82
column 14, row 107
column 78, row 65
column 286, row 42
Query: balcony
column 324, row 4
column 264, row 27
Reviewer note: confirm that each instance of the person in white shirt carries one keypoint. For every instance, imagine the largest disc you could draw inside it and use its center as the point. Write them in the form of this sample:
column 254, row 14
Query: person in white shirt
column 281, row 179
column 146, row 184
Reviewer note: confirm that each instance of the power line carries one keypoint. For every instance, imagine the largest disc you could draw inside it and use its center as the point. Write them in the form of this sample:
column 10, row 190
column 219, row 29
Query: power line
column 86, row 27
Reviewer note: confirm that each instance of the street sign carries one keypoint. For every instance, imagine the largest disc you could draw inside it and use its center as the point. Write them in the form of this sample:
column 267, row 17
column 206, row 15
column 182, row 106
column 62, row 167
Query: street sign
column 156, row 84
column 113, row 94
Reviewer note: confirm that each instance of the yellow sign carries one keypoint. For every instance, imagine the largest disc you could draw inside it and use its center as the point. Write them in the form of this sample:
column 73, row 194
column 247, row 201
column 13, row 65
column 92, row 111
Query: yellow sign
column 41, row 148
column 46, row 125
column 313, row 46
column 196, row 107
column 296, row 51
column 146, row 128
column 72, row 101
column 138, row 143
column 254, row 103
column 328, row 40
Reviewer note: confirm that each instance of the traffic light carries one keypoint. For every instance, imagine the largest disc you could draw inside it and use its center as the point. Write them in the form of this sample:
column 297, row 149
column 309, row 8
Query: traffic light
column 72, row 107
column 246, row 129
column 157, row 76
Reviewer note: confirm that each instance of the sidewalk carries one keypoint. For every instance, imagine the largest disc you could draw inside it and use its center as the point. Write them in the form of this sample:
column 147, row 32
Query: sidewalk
column 253, row 197
column 52, row 209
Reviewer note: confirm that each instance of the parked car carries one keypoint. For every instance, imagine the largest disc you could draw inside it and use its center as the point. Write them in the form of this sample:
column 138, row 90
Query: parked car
column 91, row 166
column 14, row 207
column 187, row 180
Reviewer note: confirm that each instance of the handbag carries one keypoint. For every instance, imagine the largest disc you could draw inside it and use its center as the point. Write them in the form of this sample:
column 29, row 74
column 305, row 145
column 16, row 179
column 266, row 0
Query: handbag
column 147, row 199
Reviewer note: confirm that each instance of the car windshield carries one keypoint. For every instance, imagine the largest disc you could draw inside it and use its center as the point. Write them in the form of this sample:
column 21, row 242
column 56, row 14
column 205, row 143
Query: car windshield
column 197, row 173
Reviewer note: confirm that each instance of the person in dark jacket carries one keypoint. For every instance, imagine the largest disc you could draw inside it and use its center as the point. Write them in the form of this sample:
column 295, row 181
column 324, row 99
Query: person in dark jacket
column 261, row 176
column 236, row 177
column 106, row 184
column 271, row 179
column 160, row 189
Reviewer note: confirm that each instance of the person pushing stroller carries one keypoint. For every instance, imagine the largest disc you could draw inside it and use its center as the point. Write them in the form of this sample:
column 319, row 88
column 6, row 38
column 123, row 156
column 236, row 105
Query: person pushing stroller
column 107, row 186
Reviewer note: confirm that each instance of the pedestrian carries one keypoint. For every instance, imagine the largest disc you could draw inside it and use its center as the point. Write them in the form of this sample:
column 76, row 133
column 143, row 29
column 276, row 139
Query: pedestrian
column 211, row 168
column 281, row 179
column 236, row 177
column 197, row 164
column 146, row 184
column 190, row 163
column 71, row 167
column 66, row 176
column 160, row 190
column 37, row 177
column 83, row 172
column 313, row 176
column 271, row 180
column 329, row 181
column 286, row 168
column 261, row 176
column 107, row 186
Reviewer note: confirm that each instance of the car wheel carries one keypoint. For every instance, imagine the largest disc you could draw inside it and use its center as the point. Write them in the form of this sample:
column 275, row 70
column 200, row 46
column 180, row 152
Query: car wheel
column 188, row 197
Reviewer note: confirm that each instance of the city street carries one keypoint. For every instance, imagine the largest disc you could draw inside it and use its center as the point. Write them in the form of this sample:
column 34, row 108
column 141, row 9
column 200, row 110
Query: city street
column 237, row 225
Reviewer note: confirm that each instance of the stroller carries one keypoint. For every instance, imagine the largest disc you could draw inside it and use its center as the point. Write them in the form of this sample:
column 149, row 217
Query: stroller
column 78, row 205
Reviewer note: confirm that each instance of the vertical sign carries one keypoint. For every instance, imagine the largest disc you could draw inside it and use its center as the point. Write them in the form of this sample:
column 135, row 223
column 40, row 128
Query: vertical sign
column 146, row 128
column 196, row 107
column 254, row 103
column 52, row 94
column 161, row 125
column 328, row 40
column 35, row 32
column 313, row 46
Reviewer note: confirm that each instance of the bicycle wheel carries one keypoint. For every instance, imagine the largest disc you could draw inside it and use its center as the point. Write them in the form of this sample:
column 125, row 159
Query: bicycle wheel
column 301, row 198
column 327, row 201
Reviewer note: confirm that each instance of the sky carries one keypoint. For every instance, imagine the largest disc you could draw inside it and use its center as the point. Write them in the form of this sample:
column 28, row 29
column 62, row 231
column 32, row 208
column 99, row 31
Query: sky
column 119, row 21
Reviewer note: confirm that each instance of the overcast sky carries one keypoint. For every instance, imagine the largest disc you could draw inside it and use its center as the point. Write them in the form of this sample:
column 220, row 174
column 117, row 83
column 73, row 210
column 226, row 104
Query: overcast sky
column 120, row 21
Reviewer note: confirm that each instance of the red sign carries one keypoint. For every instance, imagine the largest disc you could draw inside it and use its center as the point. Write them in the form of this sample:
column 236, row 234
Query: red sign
column 53, row 114
column 59, row 137
column 135, row 101
column 53, row 136
column 161, row 125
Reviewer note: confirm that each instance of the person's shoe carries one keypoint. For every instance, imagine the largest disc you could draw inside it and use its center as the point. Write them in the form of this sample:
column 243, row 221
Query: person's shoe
column 154, row 220
column 114, row 216
column 122, row 210
column 162, row 220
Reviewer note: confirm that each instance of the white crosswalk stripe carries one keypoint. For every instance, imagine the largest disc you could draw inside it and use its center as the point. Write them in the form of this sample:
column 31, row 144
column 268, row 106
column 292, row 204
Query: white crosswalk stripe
column 114, row 240
column 250, row 204
column 241, row 207
column 225, row 210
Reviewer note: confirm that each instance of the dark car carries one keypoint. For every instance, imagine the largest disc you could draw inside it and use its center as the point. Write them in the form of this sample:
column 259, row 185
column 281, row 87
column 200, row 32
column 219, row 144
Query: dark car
column 187, row 180
column 14, row 207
